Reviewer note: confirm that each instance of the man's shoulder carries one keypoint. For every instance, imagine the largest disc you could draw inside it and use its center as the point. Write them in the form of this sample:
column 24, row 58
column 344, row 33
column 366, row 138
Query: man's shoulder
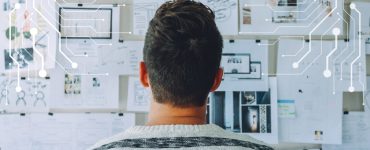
column 179, row 136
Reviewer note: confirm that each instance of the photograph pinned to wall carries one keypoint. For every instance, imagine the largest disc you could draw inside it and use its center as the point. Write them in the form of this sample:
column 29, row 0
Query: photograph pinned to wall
column 287, row 3
column 250, row 119
column 256, row 118
column 19, row 39
column 22, row 57
column 285, row 12
column 318, row 135
column 247, row 15
column 241, row 111
column 139, row 97
column 96, row 82
column 72, row 85
column 256, row 72
column 249, row 98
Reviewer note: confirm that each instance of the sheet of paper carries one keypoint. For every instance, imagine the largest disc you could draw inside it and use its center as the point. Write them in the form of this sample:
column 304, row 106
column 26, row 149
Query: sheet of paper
column 60, row 131
column 226, row 14
column 19, row 47
column 84, row 89
column 92, row 22
column 101, row 51
column 356, row 132
column 135, row 55
column 144, row 11
column 124, row 59
column 289, row 17
column 257, row 79
column 286, row 109
column 34, row 96
column 318, row 107
column 89, row 86
column 320, row 60
column 138, row 96
column 14, row 129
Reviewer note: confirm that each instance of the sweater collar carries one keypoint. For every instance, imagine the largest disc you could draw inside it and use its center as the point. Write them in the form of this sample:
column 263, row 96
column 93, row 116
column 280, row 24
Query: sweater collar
column 176, row 128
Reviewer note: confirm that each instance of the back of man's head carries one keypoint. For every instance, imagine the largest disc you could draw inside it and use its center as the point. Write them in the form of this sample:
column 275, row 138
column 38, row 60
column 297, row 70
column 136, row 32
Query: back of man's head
column 182, row 53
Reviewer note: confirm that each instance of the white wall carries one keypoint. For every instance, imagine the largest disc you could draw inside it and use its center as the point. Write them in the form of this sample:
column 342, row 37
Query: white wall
column 126, row 26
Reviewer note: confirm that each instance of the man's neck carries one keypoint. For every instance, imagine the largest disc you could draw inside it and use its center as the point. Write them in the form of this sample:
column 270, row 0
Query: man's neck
column 165, row 114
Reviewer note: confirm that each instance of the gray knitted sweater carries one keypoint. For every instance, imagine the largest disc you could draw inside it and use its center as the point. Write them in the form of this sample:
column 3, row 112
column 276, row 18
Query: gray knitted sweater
column 187, row 137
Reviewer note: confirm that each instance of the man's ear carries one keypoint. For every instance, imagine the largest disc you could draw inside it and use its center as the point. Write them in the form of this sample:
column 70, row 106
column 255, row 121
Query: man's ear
column 144, row 75
column 218, row 80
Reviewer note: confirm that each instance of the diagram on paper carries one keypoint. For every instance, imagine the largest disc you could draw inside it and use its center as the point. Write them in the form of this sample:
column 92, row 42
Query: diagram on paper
column 226, row 15
column 29, row 36
column 138, row 97
column 34, row 96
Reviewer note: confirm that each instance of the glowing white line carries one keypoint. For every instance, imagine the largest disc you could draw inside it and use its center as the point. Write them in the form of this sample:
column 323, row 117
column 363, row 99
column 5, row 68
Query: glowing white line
column 310, row 35
column 354, row 45
column 299, row 51
column 276, row 29
column 59, row 45
column 94, row 29
column 70, row 50
column 38, row 52
column 86, row 19
column 332, row 52
column 85, row 74
column 346, row 48
column 362, row 85
column 10, row 48
column 359, row 44
column 316, row 58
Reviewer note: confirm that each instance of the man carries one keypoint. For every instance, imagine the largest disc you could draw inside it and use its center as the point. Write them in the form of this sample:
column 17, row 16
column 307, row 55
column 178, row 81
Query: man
column 182, row 55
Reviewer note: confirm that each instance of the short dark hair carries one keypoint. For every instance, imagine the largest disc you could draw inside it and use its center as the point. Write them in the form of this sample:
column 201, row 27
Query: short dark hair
column 182, row 53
